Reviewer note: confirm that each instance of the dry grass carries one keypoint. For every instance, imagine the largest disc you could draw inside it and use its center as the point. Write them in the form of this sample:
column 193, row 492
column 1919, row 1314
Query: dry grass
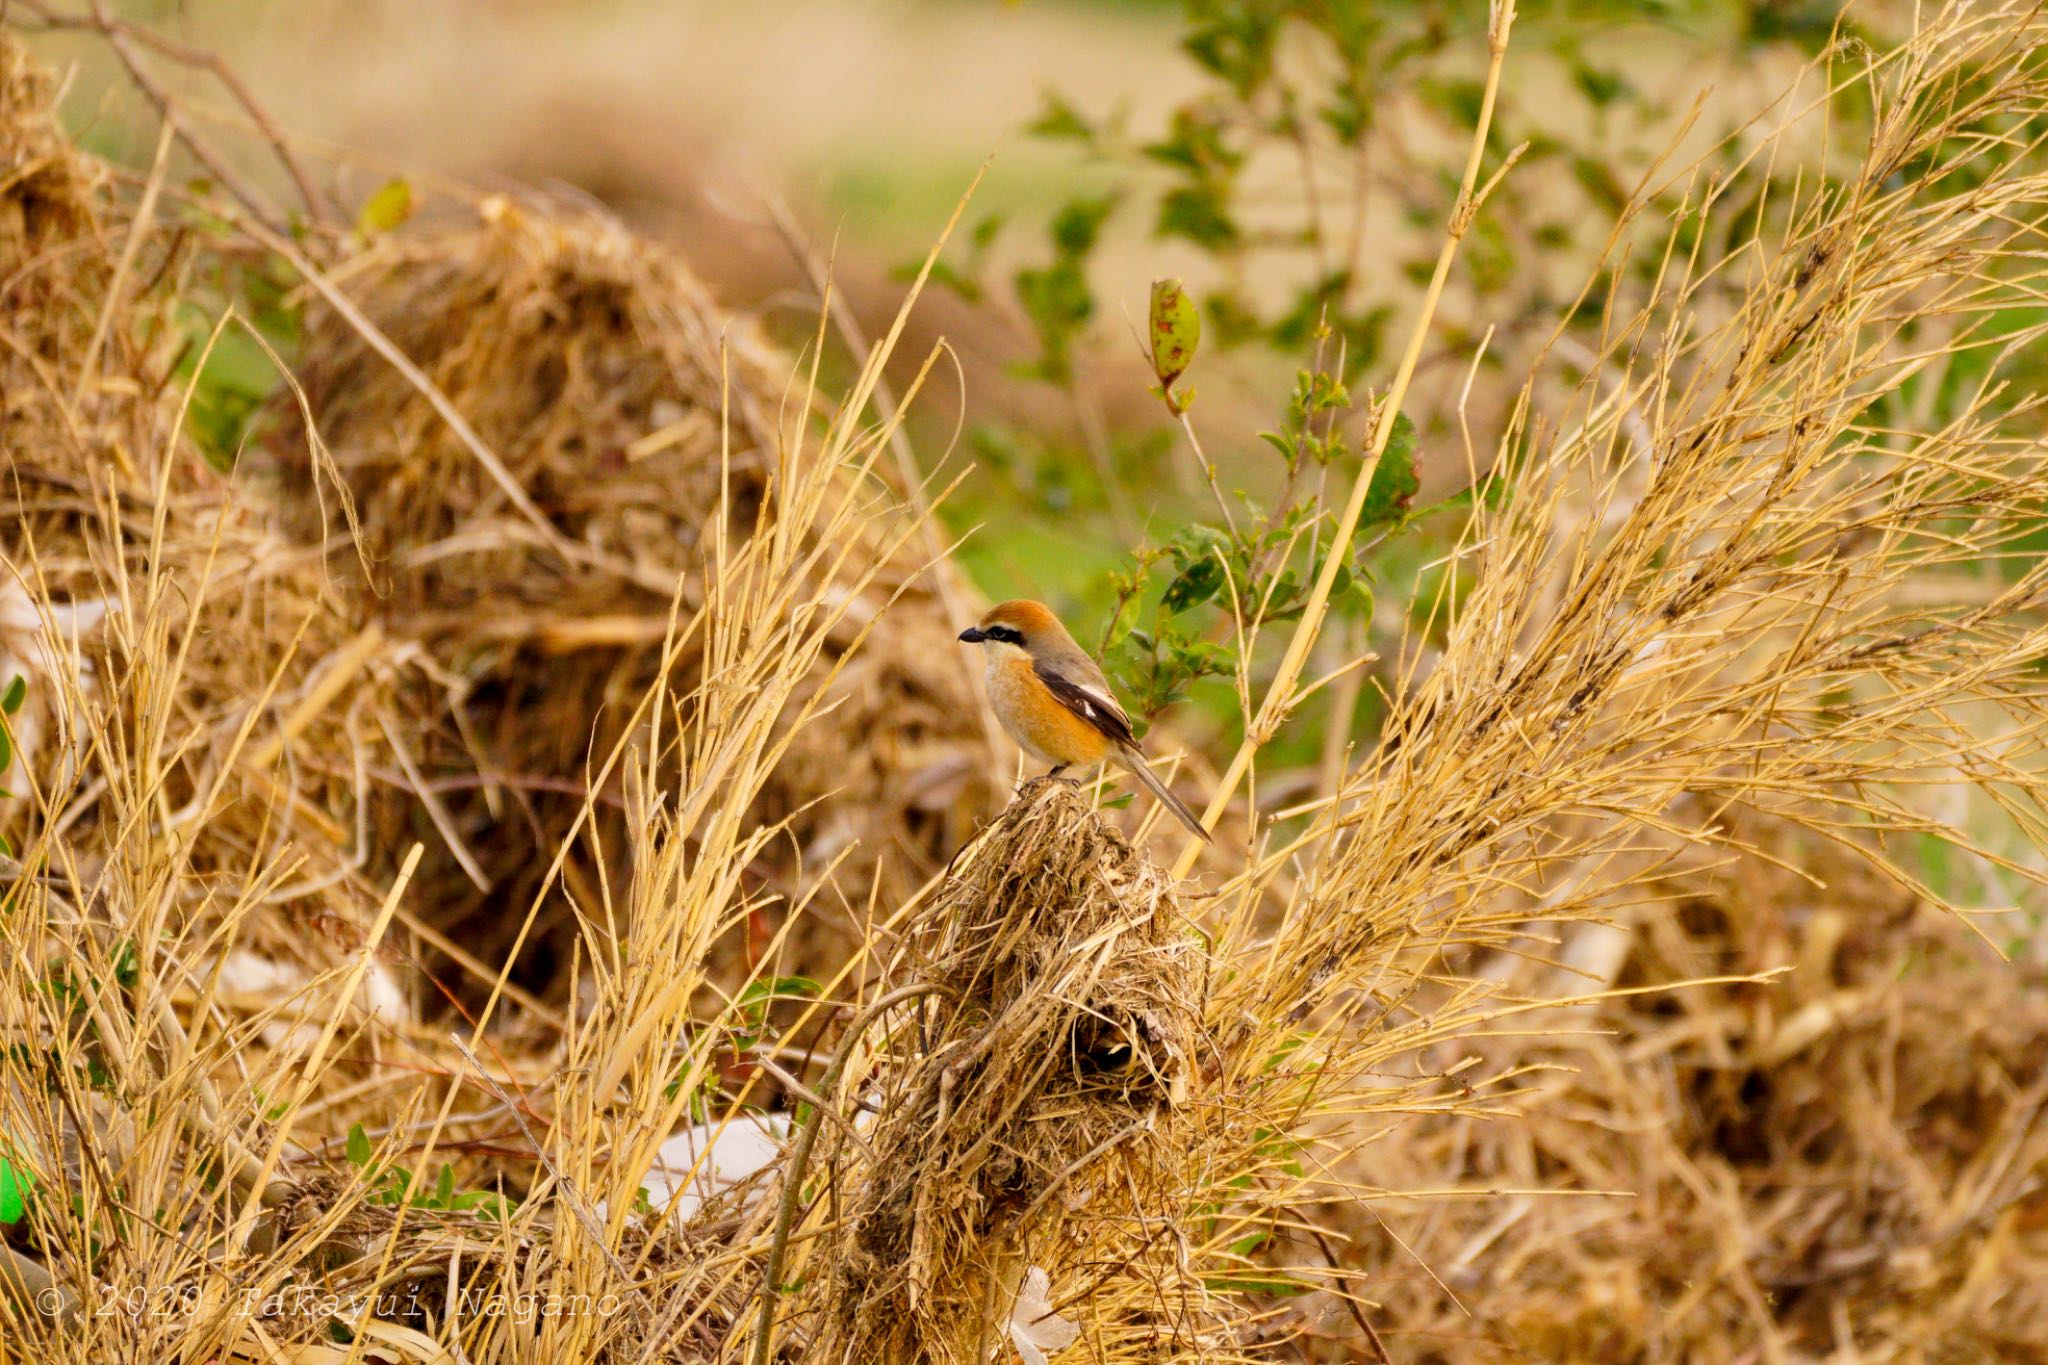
column 596, row 369
column 1054, row 1046
column 591, row 672
column 1845, row 1161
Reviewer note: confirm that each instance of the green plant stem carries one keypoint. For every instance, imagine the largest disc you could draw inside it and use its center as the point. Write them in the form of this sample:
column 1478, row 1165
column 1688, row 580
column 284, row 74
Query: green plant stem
column 1280, row 695
column 1209, row 474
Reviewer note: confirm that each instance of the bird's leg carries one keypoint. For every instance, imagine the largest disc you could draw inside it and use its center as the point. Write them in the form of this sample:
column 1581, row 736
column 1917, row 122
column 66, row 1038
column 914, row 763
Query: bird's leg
column 1050, row 775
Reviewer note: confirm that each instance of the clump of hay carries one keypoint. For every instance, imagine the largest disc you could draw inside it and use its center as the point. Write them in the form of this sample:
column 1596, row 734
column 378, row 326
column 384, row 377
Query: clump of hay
column 594, row 364
column 1847, row 1153
column 538, row 594
column 70, row 377
column 48, row 191
column 221, row 772
column 122, row 548
column 157, row 832
column 1071, row 938
column 1061, row 1038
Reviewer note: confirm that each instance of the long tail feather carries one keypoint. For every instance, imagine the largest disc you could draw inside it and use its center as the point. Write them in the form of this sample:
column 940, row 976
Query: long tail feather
column 1135, row 762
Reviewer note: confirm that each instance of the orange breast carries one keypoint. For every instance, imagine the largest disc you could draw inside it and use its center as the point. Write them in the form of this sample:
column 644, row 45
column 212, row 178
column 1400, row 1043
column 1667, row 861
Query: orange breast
column 1047, row 730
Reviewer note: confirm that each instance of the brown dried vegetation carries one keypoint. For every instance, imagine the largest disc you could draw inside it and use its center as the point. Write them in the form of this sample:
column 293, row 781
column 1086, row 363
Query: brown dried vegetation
column 1599, row 997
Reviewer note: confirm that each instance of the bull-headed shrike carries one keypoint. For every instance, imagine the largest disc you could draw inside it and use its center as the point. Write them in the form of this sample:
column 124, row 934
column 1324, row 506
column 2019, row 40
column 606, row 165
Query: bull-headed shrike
column 1055, row 702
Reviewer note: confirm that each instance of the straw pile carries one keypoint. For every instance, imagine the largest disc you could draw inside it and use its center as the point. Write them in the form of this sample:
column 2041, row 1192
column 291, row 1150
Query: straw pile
column 239, row 722
column 536, row 593
column 123, row 548
column 190, row 676
column 156, row 628
column 1062, row 1034
column 1846, row 1157
column 57, row 257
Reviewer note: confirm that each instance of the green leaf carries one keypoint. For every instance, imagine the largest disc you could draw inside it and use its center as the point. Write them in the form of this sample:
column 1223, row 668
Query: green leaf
column 1197, row 541
column 1193, row 586
column 485, row 1203
column 1176, row 331
column 16, row 1184
column 780, row 988
column 1200, row 659
column 1394, row 483
column 1126, row 618
column 1196, row 146
column 1060, row 119
column 1599, row 183
column 16, row 693
column 1200, row 213
column 1235, row 43
column 753, row 1002
column 943, row 274
column 1287, row 595
column 1076, row 226
column 1457, row 101
column 984, row 234
column 229, row 389
column 358, row 1146
column 1601, row 87
column 1278, row 1285
column 444, row 1188
column 127, row 969
column 390, row 206
column 1058, row 302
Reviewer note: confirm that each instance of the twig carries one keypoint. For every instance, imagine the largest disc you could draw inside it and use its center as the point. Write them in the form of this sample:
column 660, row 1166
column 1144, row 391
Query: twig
column 788, row 1080
column 118, row 32
column 1357, row 1313
column 1209, row 474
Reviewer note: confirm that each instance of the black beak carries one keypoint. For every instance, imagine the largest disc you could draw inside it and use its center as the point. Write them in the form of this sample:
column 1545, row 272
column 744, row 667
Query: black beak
column 972, row 636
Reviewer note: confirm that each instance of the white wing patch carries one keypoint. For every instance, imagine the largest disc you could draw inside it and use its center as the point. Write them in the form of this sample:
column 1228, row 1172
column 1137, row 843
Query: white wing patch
column 1091, row 701
column 1094, row 697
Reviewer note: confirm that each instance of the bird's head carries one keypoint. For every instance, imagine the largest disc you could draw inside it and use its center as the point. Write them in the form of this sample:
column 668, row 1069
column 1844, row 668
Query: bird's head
column 1021, row 625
